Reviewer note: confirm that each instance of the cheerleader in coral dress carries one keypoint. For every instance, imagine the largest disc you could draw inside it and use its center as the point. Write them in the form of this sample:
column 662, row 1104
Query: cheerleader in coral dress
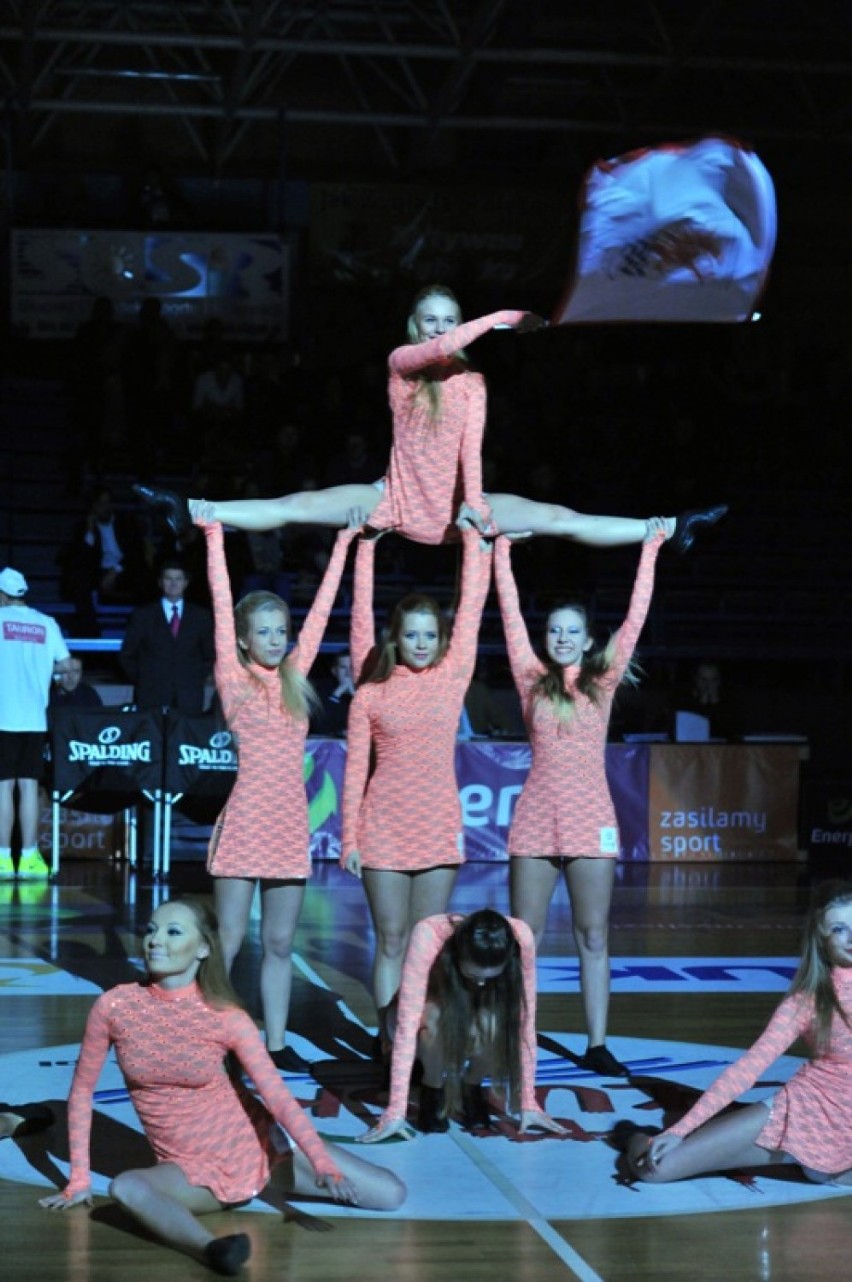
column 564, row 824
column 439, row 406
column 262, row 834
column 809, row 1120
column 466, row 1009
column 216, row 1145
column 402, row 824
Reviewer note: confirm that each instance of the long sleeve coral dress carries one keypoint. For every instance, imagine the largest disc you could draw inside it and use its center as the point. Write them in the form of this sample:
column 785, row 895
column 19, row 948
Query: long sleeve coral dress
column 427, row 939
column 263, row 829
column 565, row 807
column 170, row 1046
column 810, row 1117
column 406, row 816
column 435, row 462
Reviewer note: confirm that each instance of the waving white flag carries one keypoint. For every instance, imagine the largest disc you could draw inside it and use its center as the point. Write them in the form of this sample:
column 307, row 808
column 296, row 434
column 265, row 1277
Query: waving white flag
column 680, row 232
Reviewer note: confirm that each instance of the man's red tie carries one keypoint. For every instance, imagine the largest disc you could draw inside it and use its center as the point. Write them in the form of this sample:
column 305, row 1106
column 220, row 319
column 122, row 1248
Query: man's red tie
column 174, row 622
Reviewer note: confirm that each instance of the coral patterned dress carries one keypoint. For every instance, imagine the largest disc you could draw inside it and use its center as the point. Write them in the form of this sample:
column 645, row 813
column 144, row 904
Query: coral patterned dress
column 407, row 817
column 263, row 830
column 427, row 939
column 170, row 1046
column 435, row 463
column 811, row 1115
column 565, row 808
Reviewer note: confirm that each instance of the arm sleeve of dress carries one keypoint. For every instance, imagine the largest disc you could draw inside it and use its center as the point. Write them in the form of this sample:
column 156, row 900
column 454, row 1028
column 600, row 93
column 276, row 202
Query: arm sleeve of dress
column 245, row 1042
column 93, row 1053
column 470, row 453
column 522, row 657
column 637, row 611
column 305, row 651
column 790, row 1020
column 436, row 351
column 358, row 735
column 427, row 939
column 475, row 579
column 362, row 628
column 529, row 1044
column 228, row 670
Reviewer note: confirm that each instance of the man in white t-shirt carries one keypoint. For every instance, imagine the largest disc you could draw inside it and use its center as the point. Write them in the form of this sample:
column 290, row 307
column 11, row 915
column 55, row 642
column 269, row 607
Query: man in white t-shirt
column 32, row 649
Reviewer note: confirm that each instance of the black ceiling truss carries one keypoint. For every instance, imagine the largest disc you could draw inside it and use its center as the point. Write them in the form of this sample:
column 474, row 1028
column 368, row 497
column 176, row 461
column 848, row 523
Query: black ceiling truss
column 400, row 87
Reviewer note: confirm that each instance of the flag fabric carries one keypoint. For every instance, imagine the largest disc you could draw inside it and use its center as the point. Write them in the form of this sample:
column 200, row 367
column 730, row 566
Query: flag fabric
column 679, row 232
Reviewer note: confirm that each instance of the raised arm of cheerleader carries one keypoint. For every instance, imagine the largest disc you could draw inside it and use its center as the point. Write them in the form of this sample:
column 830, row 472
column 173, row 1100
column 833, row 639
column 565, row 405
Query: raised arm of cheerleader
column 436, row 351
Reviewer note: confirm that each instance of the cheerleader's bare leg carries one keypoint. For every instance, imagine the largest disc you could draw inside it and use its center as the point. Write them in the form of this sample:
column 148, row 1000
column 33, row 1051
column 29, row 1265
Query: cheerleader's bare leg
column 516, row 515
column 310, row 507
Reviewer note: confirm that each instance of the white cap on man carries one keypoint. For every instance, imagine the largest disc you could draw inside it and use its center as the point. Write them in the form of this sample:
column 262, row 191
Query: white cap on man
column 12, row 582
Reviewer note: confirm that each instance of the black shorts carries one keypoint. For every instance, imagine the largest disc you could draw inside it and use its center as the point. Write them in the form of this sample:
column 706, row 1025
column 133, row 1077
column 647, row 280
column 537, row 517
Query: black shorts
column 22, row 754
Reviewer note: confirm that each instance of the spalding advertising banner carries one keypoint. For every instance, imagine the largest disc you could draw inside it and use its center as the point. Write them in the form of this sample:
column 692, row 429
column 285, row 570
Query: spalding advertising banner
column 201, row 756
column 107, row 750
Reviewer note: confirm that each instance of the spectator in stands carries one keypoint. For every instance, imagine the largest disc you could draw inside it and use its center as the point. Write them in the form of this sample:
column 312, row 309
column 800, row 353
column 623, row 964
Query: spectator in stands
column 355, row 464
column 217, row 398
column 335, row 694
column 106, row 557
column 218, row 404
column 266, row 398
column 32, row 649
column 706, row 696
column 167, row 650
column 97, row 405
column 285, row 465
column 150, row 361
column 69, row 690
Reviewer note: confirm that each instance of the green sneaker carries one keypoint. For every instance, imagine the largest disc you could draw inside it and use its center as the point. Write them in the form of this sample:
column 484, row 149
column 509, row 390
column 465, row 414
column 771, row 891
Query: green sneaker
column 32, row 867
column 7, row 868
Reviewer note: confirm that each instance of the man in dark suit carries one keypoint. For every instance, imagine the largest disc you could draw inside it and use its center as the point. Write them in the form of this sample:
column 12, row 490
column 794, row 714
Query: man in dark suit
column 168, row 650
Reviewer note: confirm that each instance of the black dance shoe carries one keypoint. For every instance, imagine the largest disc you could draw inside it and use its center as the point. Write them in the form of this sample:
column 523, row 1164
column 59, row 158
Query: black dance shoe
column 35, row 1117
column 227, row 1255
column 173, row 505
column 600, row 1060
column 289, row 1061
column 474, row 1107
column 430, row 1118
column 688, row 524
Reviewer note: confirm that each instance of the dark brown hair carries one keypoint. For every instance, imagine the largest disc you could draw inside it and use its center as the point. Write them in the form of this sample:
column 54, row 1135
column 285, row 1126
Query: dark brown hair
column 386, row 657
column 495, row 1009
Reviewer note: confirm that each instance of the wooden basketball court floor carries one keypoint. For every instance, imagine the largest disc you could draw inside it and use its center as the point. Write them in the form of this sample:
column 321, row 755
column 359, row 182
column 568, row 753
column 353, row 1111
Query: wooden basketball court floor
column 479, row 1210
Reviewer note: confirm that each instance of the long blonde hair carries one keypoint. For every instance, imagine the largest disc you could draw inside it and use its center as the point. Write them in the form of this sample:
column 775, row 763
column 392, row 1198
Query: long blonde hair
column 298, row 696
column 813, row 976
column 430, row 387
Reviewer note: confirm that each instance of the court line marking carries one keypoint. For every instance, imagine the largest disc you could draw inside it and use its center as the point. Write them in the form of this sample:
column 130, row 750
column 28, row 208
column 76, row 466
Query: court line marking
column 545, row 1230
